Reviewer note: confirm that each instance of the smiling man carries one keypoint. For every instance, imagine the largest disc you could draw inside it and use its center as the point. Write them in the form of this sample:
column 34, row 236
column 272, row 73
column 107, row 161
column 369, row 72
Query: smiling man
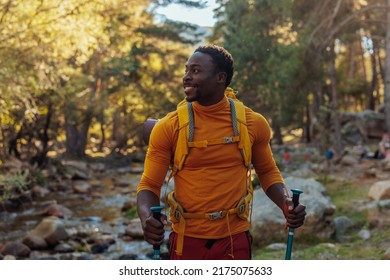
column 214, row 140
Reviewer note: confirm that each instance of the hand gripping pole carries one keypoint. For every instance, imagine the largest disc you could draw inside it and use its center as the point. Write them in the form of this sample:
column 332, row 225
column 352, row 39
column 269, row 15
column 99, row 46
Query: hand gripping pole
column 156, row 210
column 290, row 238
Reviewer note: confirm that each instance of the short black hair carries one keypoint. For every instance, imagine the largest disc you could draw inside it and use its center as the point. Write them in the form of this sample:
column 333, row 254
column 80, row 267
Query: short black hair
column 222, row 59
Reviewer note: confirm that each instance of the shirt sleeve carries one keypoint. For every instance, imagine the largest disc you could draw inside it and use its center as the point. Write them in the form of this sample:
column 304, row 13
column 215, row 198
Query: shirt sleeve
column 262, row 158
column 158, row 156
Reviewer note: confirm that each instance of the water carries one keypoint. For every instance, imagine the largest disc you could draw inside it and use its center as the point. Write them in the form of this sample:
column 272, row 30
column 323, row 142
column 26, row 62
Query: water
column 99, row 212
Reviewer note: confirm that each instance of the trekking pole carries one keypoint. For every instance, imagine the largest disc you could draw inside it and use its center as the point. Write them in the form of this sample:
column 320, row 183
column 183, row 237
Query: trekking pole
column 157, row 215
column 290, row 238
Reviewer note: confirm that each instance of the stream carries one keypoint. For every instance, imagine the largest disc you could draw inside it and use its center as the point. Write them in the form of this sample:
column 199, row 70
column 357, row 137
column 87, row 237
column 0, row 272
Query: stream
column 100, row 211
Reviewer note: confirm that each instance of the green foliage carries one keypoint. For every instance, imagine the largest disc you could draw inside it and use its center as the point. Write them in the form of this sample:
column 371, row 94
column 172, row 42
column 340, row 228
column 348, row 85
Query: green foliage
column 12, row 185
column 131, row 213
column 72, row 66
column 268, row 66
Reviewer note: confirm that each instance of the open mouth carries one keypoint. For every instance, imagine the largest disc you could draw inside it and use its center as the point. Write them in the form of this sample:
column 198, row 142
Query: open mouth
column 189, row 88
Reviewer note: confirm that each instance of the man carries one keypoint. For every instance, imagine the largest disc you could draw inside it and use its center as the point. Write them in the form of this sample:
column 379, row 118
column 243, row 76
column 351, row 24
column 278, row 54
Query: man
column 213, row 180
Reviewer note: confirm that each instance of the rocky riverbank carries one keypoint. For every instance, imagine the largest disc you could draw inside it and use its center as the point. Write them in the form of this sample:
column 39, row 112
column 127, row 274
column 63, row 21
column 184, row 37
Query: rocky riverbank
column 86, row 210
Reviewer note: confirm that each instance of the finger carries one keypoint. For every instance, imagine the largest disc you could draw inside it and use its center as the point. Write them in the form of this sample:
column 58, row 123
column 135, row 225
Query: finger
column 300, row 208
column 164, row 220
column 295, row 221
column 154, row 239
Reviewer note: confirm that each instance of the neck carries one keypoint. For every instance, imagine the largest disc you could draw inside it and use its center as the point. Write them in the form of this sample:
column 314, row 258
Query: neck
column 218, row 96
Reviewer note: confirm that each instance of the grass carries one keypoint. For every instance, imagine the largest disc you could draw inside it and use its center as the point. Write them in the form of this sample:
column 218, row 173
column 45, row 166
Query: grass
column 346, row 195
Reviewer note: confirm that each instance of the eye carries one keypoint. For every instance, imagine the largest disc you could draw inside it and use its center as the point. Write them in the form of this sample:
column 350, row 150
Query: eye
column 195, row 71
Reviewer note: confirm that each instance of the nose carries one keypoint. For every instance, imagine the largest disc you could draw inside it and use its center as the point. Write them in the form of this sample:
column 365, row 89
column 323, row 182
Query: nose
column 187, row 76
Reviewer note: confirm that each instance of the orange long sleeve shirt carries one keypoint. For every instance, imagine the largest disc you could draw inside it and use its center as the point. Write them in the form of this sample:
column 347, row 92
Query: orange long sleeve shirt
column 213, row 178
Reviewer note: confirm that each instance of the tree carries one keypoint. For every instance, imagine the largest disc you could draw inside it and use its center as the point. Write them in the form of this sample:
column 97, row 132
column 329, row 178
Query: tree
column 82, row 65
column 258, row 34
column 387, row 75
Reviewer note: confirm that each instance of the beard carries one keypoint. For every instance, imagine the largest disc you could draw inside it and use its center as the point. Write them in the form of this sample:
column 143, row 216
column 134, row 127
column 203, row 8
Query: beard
column 192, row 94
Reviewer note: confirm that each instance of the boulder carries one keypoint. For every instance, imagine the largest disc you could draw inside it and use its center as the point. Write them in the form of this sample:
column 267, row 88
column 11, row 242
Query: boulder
column 380, row 190
column 268, row 222
column 51, row 229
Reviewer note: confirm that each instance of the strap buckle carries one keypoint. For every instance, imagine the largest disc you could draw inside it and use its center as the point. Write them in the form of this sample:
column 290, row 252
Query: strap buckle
column 241, row 208
column 215, row 215
column 177, row 215
column 229, row 139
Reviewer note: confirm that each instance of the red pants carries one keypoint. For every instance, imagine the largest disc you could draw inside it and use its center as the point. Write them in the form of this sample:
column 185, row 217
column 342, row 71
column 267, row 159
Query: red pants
column 212, row 249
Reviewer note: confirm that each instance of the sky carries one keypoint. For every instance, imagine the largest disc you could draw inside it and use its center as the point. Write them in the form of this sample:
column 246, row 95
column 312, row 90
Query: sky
column 201, row 17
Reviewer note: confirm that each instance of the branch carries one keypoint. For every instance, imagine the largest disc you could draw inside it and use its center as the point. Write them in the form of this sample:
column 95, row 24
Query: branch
column 5, row 10
column 350, row 17
column 342, row 23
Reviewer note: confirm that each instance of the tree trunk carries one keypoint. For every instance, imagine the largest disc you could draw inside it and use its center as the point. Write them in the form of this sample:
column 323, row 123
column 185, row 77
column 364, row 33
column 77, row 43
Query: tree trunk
column 277, row 133
column 3, row 144
column 76, row 133
column 74, row 146
column 387, row 70
column 374, row 79
column 307, row 133
column 41, row 156
column 335, row 108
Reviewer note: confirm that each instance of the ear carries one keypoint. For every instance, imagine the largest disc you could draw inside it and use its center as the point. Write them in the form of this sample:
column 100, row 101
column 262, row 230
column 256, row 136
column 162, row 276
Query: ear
column 221, row 77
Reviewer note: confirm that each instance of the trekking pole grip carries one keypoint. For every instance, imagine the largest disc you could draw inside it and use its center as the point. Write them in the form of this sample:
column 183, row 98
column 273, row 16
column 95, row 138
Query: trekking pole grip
column 295, row 198
column 156, row 210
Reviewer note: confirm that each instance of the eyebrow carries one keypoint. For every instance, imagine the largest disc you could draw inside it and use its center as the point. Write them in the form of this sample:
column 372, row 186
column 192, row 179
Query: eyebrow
column 192, row 65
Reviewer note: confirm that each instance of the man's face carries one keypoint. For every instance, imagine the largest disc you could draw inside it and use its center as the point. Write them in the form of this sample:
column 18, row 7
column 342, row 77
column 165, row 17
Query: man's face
column 201, row 80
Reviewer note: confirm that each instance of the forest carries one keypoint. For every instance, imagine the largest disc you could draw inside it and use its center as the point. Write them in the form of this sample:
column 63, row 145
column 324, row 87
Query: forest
column 79, row 78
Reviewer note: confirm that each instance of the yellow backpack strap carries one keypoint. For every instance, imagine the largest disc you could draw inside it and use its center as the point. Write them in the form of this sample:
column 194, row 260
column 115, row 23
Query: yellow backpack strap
column 240, row 127
column 186, row 133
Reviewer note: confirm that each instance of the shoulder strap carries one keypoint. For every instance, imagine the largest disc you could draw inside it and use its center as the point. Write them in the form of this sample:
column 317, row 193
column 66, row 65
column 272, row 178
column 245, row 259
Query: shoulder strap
column 186, row 130
column 240, row 124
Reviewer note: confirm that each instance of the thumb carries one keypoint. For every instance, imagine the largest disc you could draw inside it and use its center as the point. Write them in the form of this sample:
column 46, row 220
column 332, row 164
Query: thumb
column 289, row 204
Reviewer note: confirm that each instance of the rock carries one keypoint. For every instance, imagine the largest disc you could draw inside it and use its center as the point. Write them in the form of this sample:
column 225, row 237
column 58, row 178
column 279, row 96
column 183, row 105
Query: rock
column 349, row 160
column 136, row 169
column 58, row 211
column 364, row 234
column 303, row 172
column 99, row 167
column 9, row 258
column 387, row 254
column 51, row 229
column 380, row 190
column 342, row 224
column 77, row 164
column 134, row 229
column 38, row 191
column 80, row 186
column 16, row 249
column 277, row 246
column 63, row 248
column 378, row 214
column 98, row 248
column 35, row 242
column 385, row 164
column 268, row 222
